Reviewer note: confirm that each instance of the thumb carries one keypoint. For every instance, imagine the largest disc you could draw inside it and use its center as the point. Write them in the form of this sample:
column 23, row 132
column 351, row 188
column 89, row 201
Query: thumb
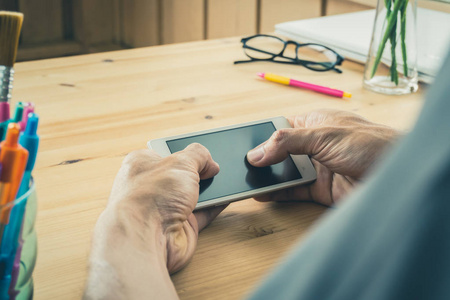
column 282, row 143
column 201, row 159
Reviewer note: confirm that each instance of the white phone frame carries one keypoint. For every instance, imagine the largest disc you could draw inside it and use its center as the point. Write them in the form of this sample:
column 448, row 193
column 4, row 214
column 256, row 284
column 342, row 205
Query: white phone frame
column 302, row 162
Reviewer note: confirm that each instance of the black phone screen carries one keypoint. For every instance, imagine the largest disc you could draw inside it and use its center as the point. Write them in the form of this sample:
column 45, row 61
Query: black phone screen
column 229, row 149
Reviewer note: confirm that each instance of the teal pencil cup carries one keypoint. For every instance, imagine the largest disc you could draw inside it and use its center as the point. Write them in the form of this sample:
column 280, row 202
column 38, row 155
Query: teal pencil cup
column 18, row 248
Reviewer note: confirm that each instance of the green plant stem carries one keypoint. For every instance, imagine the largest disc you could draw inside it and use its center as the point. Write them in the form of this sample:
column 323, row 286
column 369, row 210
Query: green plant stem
column 403, row 37
column 388, row 3
column 392, row 39
column 392, row 21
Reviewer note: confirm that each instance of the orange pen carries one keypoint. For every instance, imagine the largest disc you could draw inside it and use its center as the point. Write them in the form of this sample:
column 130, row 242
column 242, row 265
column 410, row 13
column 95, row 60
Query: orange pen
column 13, row 158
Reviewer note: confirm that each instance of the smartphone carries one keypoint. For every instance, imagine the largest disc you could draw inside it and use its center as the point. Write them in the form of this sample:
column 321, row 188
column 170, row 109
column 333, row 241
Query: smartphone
column 238, row 179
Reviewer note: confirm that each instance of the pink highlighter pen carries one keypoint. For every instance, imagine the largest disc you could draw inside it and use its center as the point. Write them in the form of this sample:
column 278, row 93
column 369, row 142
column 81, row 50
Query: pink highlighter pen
column 304, row 85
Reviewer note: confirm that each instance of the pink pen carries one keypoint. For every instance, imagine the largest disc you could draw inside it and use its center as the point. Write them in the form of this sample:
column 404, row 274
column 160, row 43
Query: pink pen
column 305, row 85
column 4, row 111
column 4, row 119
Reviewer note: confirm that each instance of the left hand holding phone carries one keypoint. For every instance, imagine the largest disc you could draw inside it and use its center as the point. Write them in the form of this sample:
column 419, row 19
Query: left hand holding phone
column 149, row 219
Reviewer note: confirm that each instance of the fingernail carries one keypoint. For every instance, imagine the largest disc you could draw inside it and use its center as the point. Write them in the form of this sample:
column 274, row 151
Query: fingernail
column 256, row 154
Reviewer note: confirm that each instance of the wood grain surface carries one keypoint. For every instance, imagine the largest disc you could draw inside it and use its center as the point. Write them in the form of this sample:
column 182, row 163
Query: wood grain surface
column 96, row 108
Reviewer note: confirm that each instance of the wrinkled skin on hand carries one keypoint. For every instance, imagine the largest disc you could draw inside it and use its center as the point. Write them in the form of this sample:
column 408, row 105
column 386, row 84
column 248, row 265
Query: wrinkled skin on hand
column 151, row 191
column 342, row 146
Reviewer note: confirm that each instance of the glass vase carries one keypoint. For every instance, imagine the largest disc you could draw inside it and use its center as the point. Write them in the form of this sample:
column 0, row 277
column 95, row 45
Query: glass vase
column 391, row 66
column 18, row 246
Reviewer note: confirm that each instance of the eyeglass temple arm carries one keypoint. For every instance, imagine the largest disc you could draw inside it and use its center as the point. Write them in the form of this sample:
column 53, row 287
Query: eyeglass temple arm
column 243, row 61
column 284, row 62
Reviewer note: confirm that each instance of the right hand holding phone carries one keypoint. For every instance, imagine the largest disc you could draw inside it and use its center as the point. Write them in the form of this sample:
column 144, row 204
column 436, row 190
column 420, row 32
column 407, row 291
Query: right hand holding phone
column 342, row 146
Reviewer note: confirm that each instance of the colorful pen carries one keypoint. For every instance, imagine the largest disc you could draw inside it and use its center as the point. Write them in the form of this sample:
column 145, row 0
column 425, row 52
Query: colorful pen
column 18, row 114
column 28, row 107
column 305, row 85
column 13, row 158
column 30, row 141
column 4, row 118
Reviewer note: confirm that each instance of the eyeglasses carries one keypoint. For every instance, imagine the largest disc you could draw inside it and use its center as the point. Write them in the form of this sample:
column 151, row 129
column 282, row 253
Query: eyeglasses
column 316, row 57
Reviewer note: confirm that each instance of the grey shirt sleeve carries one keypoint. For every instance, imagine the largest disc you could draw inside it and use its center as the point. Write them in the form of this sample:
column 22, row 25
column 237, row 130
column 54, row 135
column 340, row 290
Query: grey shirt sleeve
column 391, row 238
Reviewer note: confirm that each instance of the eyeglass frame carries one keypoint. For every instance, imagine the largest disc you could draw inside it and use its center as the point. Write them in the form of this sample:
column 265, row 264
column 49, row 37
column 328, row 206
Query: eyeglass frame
column 294, row 61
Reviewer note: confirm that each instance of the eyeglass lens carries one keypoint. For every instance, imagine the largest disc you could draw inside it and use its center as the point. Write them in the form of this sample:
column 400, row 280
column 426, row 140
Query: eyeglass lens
column 269, row 46
column 319, row 54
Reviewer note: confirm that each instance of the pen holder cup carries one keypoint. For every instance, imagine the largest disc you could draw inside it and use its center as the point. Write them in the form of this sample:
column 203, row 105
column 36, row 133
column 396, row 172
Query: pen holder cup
column 18, row 248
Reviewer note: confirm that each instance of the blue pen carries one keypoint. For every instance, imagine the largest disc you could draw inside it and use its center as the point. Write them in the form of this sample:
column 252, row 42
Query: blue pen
column 30, row 141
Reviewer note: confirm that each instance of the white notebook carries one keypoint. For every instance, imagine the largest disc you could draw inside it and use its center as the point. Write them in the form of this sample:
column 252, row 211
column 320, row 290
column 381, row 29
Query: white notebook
column 349, row 34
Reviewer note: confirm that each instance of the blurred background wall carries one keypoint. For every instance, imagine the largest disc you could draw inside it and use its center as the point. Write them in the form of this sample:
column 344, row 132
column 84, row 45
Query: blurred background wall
column 55, row 28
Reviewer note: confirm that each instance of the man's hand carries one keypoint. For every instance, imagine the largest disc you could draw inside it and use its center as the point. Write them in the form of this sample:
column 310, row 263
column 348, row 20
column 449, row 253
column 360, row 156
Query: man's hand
column 166, row 190
column 148, row 228
column 342, row 147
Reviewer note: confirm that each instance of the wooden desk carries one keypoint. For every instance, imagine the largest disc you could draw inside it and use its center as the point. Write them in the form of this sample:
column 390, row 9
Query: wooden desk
column 96, row 108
